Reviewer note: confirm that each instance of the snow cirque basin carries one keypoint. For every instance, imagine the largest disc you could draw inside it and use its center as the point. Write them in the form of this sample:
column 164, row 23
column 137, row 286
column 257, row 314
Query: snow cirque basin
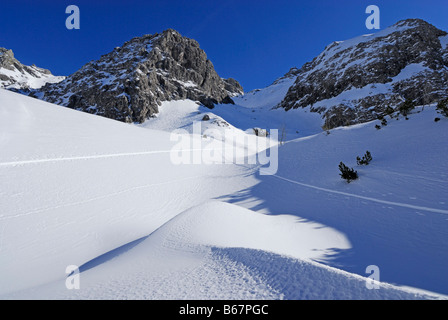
column 77, row 189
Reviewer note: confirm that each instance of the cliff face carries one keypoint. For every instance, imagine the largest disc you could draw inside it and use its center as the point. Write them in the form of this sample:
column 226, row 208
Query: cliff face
column 354, row 81
column 130, row 83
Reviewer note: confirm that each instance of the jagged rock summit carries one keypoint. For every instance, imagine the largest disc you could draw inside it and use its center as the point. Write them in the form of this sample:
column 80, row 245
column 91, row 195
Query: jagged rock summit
column 15, row 75
column 354, row 81
column 129, row 83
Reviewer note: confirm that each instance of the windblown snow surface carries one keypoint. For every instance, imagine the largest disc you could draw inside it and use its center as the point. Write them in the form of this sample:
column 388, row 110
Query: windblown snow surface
column 77, row 189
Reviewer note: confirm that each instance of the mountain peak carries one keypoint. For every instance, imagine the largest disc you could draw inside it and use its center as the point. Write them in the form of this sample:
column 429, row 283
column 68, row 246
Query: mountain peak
column 355, row 80
column 7, row 59
column 129, row 83
column 412, row 22
column 4, row 51
column 15, row 75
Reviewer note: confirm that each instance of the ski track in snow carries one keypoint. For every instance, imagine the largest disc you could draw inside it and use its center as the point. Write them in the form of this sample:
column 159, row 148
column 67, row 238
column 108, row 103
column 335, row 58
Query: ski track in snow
column 93, row 157
column 416, row 177
column 397, row 204
column 95, row 198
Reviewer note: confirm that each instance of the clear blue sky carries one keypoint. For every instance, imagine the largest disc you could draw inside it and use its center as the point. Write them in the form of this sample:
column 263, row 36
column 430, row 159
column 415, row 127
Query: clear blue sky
column 253, row 41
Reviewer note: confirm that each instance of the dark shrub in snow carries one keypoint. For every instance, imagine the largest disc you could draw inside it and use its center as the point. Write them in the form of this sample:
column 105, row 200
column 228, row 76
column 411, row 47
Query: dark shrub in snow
column 347, row 173
column 365, row 159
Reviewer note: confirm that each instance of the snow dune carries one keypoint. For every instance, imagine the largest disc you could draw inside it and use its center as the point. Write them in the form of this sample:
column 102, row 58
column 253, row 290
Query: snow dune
column 75, row 186
column 221, row 251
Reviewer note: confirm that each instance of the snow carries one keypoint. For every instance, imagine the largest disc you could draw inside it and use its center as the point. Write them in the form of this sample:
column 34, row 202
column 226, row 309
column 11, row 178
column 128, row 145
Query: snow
column 193, row 255
column 187, row 116
column 356, row 93
column 77, row 189
column 266, row 98
column 70, row 218
column 395, row 214
column 188, row 84
column 180, row 114
column 444, row 42
column 255, row 109
column 410, row 71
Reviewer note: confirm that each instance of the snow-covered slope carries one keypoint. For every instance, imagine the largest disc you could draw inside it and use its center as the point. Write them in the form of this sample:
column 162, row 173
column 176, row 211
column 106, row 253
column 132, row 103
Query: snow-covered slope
column 221, row 251
column 268, row 97
column 77, row 189
column 395, row 215
column 74, row 186
column 255, row 109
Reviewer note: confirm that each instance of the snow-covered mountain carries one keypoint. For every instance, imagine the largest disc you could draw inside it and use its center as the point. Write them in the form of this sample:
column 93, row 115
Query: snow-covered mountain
column 129, row 83
column 15, row 75
column 354, row 81
column 350, row 82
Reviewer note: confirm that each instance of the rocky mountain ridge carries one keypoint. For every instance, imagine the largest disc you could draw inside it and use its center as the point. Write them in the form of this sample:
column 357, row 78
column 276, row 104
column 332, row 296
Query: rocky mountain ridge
column 354, row 81
column 350, row 82
column 17, row 76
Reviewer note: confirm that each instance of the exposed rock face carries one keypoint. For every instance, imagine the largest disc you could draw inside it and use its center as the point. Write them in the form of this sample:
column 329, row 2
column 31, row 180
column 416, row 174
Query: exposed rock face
column 130, row 83
column 354, row 81
column 233, row 87
column 15, row 75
